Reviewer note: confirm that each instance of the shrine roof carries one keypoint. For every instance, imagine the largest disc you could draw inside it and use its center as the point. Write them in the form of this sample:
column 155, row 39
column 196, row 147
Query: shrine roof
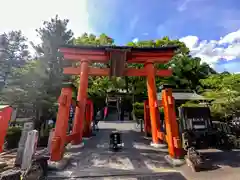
column 104, row 48
column 185, row 96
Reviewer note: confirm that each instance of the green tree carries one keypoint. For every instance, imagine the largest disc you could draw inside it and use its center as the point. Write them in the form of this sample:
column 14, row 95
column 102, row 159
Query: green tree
column 90, row 39
column 53, row 34
column 165, row 41
column 97, row 85
column 187, row 70
column 16, row 53
column 224, row 89
column 27, row 88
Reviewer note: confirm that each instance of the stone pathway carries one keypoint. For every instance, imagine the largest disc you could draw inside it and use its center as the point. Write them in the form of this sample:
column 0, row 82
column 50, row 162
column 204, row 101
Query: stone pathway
column 137, row 160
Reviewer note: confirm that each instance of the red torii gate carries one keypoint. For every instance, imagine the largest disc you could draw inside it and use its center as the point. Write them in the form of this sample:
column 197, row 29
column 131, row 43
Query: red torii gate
column 118, row 57
column 5, row 117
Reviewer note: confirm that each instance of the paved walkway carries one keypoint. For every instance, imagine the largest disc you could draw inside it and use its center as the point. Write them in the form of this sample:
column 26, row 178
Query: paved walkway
column 137, row 160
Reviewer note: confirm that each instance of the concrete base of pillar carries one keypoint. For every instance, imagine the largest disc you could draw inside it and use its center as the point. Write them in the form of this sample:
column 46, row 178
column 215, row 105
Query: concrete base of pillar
column 158, row 145
column 70, row 146
column 148, row 138
column 174, row 162
column 59, row 165
column 78, row 145
column 87, row 138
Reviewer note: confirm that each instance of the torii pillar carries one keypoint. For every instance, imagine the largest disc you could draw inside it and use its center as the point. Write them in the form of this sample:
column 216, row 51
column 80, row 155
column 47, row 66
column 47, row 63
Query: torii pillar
column 152, row 98
column 82, row 99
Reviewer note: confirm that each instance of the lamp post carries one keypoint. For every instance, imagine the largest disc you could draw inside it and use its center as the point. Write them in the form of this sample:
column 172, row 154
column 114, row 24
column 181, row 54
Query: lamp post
column 3, row 53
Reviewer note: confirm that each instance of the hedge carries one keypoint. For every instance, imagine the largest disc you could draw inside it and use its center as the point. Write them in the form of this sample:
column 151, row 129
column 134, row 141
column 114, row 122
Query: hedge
column 13, row 137
column 138, row 108
column 14, row 134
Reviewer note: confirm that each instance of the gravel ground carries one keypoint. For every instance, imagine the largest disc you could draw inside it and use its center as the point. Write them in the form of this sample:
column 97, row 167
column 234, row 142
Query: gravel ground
column 137, row 160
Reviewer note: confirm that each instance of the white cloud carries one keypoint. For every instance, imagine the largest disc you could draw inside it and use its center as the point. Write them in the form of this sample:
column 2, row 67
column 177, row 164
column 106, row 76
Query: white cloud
column 135, row 40
column 145, row 34
column 183, row 5
column 227, row 47
column 190, row 41
column 133, row 23
column 230, row 38
column 28, row 15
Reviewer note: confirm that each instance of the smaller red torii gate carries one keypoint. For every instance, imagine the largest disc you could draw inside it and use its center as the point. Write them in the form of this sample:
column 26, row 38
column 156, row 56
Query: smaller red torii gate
column 118, row 58
column 61, row 138
column 171, row 134
column 5, row 117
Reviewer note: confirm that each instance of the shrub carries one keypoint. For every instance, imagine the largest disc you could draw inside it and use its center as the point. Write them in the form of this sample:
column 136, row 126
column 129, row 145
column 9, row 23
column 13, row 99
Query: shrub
column 193, row 104
column 44, row 136
column 161, row 113
column 13, row 137
column 138, row 110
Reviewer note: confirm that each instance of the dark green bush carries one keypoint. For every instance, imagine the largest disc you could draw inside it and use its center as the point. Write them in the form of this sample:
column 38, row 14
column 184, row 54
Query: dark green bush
column 192, row 104
column 13, row 137
column 161, row 112
column 44, row 136
column 43, row 141
column 98, row 102
column 139, row 110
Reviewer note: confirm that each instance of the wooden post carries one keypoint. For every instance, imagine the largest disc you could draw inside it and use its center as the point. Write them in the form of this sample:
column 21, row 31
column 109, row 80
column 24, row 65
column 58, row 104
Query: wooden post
column 82, row 98
column 152, row 97
column 147, row 121
column 172, row 131
column 91, row 114
column 59, row 138
column 141, row 125
column 88, row 119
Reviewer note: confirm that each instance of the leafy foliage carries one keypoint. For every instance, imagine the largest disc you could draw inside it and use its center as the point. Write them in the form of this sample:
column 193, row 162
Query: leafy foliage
column 98, row 86
column 36, row 82
column 225, row 90
column 187, row 72
column 16, row 54
column 138, row 109
column 90, row 39
column 53, row 34
column 13, row 137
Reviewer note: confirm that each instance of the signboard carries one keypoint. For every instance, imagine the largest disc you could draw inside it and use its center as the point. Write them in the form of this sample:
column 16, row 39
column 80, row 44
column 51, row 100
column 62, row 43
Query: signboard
column 195, row 118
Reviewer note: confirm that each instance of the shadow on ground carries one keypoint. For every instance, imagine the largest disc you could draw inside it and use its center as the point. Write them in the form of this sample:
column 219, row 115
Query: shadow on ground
column 223, row 158
column 137, row 160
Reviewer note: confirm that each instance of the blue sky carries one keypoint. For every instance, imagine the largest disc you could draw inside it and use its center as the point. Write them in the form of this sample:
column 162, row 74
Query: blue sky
column 209, row 19
column 210, row 28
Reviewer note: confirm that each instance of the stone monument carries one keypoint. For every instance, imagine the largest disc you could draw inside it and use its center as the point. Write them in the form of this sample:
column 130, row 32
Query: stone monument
column 30, row 149
column 29, row 126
